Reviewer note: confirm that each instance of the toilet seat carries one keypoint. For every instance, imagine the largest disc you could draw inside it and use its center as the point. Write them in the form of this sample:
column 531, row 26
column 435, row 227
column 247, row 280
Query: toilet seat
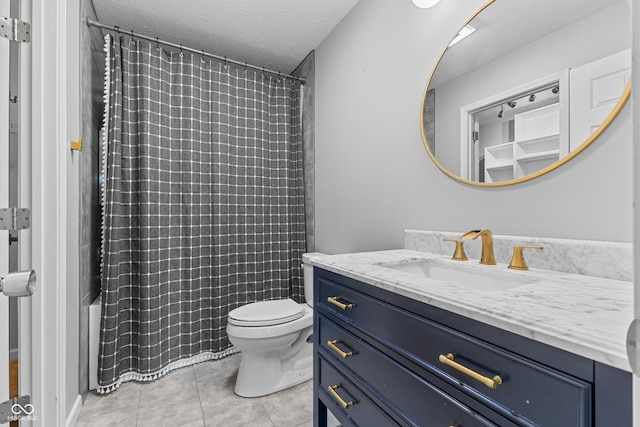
column 266, row 313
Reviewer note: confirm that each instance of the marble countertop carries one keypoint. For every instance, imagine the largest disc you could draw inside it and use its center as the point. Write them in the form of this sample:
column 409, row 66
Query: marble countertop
column 585, row 315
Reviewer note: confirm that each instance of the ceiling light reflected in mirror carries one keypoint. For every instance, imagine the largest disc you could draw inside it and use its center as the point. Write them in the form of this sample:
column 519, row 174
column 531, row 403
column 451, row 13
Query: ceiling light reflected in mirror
column 465, row 32
column 424, row 4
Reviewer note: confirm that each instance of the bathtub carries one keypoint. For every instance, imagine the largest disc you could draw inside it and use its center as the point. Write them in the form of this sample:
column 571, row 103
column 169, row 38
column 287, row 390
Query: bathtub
column 94, row 341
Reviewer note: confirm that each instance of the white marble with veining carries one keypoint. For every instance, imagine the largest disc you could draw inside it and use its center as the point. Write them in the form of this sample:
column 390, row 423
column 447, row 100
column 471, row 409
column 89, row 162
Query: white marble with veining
column 585, row 315
column 611, row 260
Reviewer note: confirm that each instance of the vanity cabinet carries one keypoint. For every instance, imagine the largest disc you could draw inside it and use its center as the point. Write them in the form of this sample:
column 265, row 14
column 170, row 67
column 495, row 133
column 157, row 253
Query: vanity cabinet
column 385, row 359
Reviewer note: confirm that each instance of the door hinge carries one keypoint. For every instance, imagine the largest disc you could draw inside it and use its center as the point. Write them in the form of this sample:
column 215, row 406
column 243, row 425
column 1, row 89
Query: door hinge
column 475, row 135
column 14, row 219
column 14, row 30
column 16, row 408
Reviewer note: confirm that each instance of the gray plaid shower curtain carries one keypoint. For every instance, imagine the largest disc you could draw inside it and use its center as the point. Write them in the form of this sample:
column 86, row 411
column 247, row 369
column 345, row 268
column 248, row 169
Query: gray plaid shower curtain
column 203, row 205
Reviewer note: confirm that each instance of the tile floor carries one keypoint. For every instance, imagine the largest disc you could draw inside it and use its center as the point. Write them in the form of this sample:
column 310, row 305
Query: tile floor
column 199, row 395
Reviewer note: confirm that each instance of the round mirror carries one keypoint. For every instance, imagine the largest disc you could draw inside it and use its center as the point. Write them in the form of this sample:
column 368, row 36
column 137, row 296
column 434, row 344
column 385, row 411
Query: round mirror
column 525, row 86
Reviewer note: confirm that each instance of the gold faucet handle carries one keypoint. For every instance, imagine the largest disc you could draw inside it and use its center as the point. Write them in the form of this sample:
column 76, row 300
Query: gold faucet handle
column 517, row 261
column 459, row 254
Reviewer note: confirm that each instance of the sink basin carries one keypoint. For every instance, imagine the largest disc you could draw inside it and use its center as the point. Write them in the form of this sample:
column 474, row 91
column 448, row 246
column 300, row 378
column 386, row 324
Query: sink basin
column 479, row 277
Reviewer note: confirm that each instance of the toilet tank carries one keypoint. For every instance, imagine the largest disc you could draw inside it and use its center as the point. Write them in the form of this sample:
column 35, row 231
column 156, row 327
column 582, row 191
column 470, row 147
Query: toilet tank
column 307, row 271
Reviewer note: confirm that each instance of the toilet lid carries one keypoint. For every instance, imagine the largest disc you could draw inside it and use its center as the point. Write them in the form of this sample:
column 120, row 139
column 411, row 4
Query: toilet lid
column 265, row 313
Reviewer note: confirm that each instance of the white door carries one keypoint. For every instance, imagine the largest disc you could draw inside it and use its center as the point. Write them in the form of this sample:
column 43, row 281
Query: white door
column 594, row 90
column 19, row 186
column 4, row 202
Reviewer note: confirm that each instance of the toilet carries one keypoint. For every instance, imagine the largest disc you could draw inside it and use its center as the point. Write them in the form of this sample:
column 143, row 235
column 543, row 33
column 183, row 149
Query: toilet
column 274, row 339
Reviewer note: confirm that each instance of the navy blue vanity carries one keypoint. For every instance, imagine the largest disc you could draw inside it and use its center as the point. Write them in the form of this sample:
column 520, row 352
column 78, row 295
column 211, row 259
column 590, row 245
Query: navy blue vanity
column 383, row 359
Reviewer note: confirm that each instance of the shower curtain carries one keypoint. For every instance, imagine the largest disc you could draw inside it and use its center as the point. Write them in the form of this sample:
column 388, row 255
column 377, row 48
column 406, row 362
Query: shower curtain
column 203, row 205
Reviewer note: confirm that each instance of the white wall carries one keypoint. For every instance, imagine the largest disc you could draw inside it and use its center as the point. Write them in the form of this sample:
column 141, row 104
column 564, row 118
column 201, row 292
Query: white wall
column 374, row 178
column 72, row 293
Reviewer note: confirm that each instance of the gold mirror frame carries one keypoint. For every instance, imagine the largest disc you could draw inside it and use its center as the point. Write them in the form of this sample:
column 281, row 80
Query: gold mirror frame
column 610, row 118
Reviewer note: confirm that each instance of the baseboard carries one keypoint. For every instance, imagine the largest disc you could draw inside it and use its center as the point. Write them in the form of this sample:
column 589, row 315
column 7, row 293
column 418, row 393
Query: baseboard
column 72, row 419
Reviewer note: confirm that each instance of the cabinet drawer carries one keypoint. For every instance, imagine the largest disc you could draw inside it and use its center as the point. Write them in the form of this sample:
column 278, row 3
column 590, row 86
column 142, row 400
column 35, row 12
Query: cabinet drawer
column 529, row 393
column 413, row 398
column 336, row 392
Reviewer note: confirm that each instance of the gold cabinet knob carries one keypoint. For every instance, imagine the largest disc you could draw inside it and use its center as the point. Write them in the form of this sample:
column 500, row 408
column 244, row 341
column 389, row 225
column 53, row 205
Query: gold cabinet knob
column 459, row 254
column 517, row 261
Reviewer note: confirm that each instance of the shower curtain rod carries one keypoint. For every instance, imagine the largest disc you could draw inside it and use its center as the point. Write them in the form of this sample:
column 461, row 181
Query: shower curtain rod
column 92, row 23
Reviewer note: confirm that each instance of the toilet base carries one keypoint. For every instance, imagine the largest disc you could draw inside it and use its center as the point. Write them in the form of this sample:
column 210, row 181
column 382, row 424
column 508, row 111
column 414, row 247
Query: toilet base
column 265, row 373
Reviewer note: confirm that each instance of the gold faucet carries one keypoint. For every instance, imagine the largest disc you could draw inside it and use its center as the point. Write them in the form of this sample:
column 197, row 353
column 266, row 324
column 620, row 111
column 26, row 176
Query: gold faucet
column 459, row 254
column 517, row 261
column 487, row 256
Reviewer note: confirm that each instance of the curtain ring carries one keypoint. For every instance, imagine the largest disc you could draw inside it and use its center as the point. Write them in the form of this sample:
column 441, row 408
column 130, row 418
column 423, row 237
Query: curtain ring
column 117, row 29
column 157, row 43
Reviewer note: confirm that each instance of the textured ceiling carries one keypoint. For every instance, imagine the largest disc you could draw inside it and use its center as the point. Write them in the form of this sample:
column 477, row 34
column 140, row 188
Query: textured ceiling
column 507, row 25
column 275, row 34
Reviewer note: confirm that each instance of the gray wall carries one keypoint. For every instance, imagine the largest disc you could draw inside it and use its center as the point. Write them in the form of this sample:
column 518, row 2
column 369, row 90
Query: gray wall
column 374, row 178
column 91, row 82
column 306, row 69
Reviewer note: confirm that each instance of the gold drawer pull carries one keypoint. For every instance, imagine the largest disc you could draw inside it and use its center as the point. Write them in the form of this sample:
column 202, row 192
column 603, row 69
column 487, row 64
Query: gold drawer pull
column 334, row 301
column 333, row 346
column 489, row 382
column 334, row 393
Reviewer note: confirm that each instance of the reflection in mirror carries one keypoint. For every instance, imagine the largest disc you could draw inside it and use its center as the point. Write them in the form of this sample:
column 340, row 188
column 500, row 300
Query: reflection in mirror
column 533, row 84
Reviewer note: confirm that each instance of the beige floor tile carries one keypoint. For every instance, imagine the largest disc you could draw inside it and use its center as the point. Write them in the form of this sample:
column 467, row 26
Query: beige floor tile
column 171, row 411
column 218, row 368
column 251, row 413
column 124, row 417
column 290, row 407
column 216, row 392
column 174, row 388
column 127, row 395
column 195, row 396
